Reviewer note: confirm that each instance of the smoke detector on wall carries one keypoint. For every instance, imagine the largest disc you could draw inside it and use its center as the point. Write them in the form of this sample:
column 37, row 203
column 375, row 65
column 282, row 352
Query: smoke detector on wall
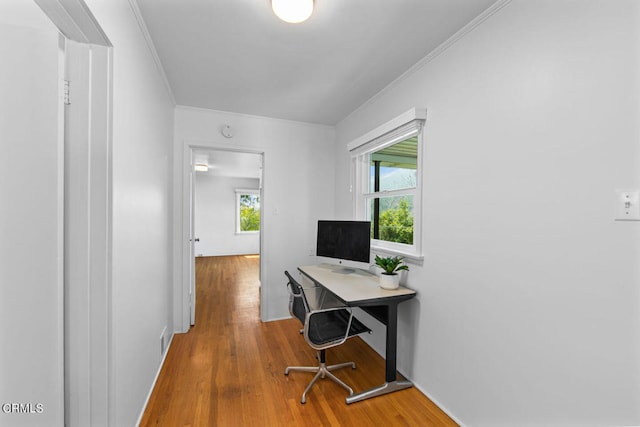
column 226, row 131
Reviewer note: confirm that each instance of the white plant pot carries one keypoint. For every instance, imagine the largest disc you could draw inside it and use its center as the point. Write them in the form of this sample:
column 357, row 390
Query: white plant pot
column 389, row 281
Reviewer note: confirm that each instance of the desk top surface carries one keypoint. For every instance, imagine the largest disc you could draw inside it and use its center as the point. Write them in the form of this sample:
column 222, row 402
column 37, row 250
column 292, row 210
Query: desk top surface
column 353, row 285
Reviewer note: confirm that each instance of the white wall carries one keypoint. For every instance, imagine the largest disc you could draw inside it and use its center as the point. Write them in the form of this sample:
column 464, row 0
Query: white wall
column 529, row 296
column 215, row 216
column 31, row 286
column 297, row 189
column 141, row 261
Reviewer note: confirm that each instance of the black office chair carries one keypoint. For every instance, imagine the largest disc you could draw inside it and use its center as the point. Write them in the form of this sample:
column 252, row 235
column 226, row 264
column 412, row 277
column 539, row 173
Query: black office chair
column 323, row 329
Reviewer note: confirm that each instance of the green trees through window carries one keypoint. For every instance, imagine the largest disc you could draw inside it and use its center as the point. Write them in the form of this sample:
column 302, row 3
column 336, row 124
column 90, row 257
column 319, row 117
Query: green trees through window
column 396, row 221
column 392, row 186
column 249, row 212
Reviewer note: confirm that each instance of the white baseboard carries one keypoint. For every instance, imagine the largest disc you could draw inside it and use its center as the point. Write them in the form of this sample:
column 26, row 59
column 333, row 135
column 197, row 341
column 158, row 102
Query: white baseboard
column 438, row 404
column 275, row 319
column 153, row 384
column 381, row 352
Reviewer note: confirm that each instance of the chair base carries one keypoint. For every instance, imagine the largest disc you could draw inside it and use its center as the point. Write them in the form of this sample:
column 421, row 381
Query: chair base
column 321, row 371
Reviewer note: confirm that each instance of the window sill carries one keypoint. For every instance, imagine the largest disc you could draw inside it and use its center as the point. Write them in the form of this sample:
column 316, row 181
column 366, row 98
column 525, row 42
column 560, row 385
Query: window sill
column 408, row 256
column 245, row 233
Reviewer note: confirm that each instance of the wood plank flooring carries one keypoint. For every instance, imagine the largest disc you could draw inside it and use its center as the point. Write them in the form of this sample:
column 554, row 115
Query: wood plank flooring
column 228, row 370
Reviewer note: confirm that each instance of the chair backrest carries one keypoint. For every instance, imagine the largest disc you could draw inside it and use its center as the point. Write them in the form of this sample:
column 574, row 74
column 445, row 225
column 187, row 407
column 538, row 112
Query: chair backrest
column 323, row 327
column 298, row 305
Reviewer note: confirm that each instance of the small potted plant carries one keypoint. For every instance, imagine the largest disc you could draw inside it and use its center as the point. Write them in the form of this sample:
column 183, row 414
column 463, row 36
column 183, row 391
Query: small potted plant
column 389, row 278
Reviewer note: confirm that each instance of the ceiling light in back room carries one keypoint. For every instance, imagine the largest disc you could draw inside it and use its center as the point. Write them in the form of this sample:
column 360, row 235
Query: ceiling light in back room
column 292, row 11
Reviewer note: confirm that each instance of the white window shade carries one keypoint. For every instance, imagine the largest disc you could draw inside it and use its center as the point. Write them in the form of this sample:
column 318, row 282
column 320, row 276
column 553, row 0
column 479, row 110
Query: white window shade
column 389, row 133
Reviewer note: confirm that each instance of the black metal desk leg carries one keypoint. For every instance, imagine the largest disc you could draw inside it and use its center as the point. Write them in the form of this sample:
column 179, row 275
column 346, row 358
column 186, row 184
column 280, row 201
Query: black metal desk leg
column 391, row 384
column 392, row 343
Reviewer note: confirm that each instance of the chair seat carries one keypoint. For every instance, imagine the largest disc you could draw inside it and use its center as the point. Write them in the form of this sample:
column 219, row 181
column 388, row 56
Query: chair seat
column 325, row 327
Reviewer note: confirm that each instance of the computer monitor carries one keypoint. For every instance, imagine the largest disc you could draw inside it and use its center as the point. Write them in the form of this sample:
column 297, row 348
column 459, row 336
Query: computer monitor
column 345, row 241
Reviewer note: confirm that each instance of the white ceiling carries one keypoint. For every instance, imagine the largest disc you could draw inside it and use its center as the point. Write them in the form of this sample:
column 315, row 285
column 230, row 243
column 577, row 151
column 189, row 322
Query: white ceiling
column 226, row 163
column 237, row 56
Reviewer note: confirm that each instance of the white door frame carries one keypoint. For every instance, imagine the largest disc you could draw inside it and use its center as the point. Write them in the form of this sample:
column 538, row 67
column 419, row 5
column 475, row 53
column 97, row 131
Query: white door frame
column 87, row 240
column 188, row 263
column 87, row 375
column 192, row 237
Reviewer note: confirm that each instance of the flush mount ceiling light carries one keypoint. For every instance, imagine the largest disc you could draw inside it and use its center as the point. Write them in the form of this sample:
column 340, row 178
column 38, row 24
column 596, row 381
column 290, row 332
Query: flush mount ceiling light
column 201, row 167
column 292, row 11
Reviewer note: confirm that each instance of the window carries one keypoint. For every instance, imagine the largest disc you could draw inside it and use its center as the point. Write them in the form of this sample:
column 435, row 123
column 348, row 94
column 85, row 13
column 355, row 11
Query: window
column 387, row 177
column 248, row 211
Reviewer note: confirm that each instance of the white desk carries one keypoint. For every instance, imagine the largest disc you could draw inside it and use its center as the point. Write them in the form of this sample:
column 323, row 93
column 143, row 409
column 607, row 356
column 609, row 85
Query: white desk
column 359, row 288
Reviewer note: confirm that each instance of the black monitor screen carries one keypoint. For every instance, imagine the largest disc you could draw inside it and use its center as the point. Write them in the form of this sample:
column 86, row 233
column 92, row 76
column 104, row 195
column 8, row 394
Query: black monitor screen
column 348, row 240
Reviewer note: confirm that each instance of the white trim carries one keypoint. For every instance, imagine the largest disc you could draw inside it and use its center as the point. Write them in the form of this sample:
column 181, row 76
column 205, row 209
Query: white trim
column 75, row 21
column 88, row 201
column 409, row 256
column 390, row 126
column 182, row 164
column 437, row 403
column 155, row 380
column 247, row 191
column 232, row 114
column 152, row 49
column 60, row 351
column 443, row 47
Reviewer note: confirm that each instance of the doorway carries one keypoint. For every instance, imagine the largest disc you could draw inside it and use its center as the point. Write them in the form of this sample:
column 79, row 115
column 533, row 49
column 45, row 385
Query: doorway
column 220, row 181
column 69, row 147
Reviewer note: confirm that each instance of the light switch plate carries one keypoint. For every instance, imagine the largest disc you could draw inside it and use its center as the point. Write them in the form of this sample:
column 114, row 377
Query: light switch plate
column 627, row 205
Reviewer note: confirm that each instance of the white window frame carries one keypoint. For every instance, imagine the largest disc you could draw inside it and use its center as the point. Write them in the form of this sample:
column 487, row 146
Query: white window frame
column 405, row 126
column 239, row 192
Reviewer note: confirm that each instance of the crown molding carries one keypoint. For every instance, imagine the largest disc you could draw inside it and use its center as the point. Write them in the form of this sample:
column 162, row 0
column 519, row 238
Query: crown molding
column 444, row 46
column 205, row 110
column 152, row 48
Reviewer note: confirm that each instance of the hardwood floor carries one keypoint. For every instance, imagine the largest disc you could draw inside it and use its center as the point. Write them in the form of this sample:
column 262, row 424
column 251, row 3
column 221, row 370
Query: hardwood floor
column 228, row 370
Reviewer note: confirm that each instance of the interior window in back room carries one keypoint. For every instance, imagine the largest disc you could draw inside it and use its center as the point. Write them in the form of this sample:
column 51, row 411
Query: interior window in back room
column 248, row 211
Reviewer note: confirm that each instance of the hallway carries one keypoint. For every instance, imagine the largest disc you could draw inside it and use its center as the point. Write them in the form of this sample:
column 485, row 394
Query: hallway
column 228, row 370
